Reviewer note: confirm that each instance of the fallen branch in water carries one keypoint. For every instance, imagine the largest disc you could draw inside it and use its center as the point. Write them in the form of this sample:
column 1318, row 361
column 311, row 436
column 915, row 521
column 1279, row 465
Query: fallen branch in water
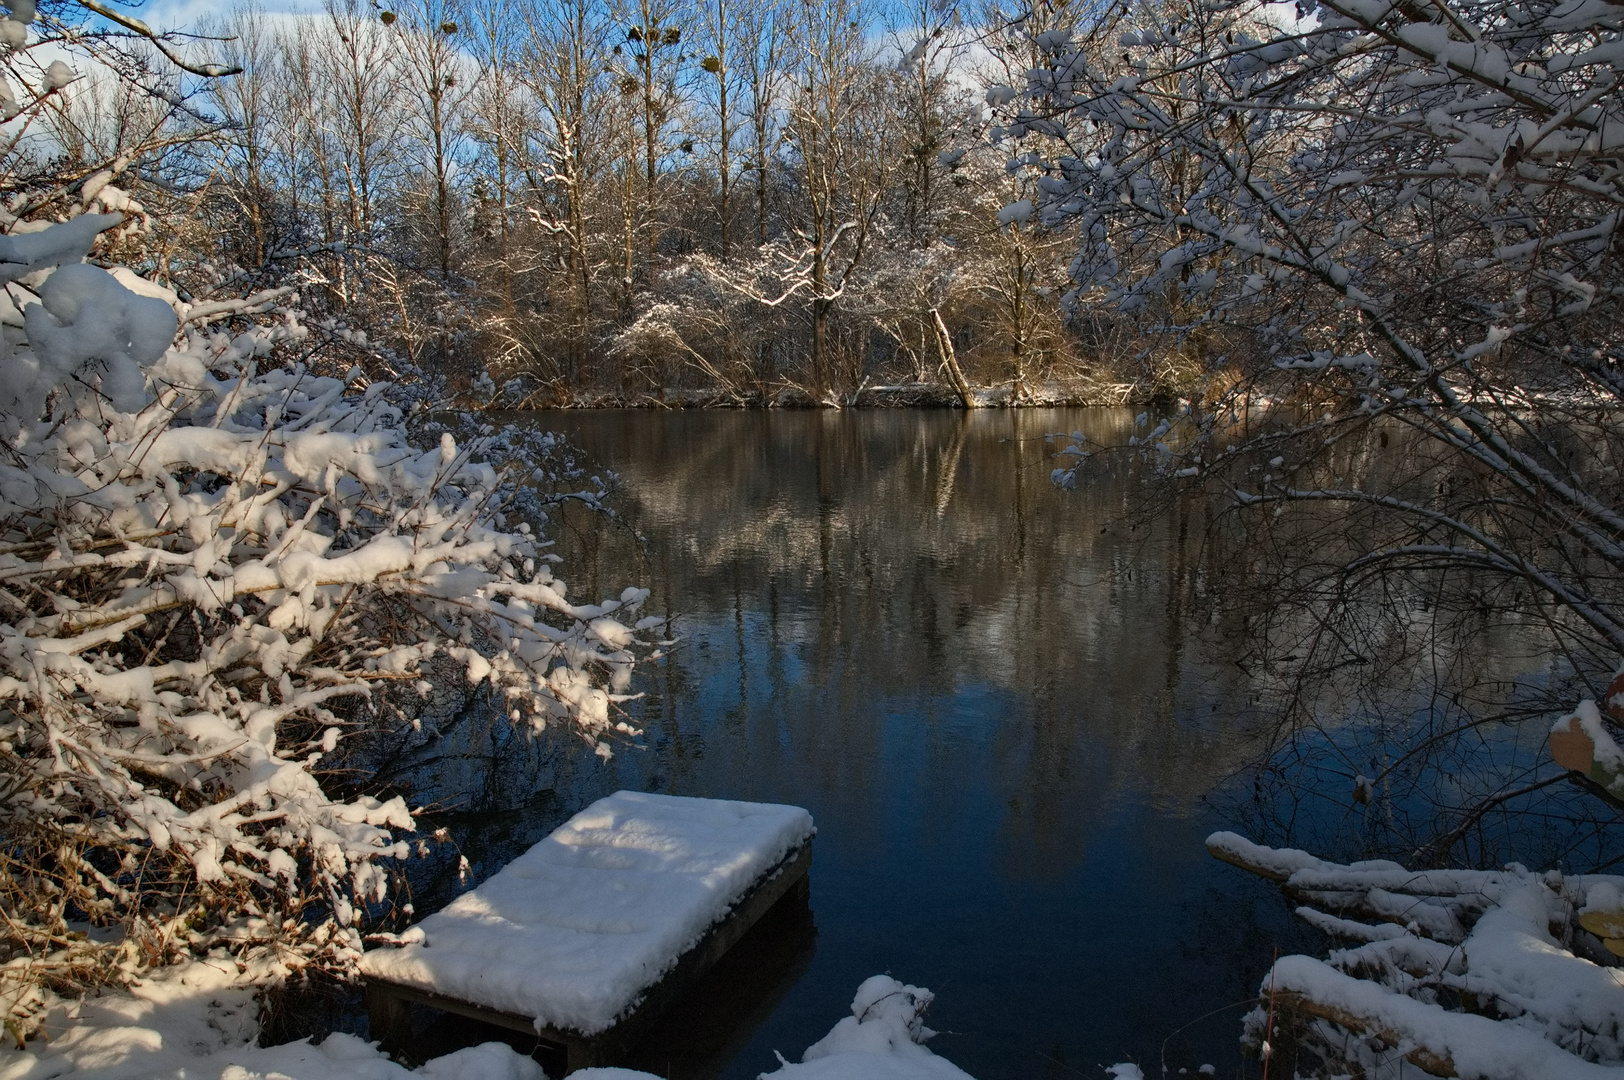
column 1484, row 975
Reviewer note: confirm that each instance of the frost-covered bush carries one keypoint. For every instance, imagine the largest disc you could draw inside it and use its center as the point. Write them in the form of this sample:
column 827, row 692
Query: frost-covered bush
column 1405, row 218
column 1385, row 239
column 211, row 562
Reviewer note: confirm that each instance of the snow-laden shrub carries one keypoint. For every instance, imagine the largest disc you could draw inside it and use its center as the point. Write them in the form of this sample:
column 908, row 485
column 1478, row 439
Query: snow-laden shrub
column 212, row 563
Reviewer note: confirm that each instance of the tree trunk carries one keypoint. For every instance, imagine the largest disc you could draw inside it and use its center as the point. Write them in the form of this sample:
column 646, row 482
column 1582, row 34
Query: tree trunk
column 726, row 137
column 950, row 360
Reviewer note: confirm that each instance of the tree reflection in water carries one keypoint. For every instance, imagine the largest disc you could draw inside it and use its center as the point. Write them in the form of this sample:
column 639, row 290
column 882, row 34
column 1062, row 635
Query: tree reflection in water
column 1015, row 712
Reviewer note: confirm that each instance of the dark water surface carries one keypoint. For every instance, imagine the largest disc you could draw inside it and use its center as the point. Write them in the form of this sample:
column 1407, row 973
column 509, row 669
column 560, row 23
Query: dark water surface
column 986, row 691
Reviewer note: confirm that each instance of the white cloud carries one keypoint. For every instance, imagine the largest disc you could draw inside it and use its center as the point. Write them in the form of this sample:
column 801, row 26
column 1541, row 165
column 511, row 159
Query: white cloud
column 185, row 14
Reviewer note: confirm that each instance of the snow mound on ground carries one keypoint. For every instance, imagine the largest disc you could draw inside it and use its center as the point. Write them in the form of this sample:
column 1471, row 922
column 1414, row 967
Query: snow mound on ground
column 198, row 1021
column 880, row 1040
column 1500, row 941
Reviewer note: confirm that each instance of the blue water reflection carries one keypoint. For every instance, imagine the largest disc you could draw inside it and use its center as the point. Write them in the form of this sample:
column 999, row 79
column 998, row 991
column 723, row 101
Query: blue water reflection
column 986, row 692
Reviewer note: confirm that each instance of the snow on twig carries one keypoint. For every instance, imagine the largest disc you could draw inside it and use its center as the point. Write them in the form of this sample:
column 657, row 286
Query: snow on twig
column 209, row 573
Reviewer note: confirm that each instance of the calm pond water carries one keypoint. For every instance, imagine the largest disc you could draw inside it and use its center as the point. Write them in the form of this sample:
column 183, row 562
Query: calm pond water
column 984, row 690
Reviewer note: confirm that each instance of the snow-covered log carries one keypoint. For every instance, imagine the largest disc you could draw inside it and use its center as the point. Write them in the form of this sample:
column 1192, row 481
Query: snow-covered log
column 1475, row 974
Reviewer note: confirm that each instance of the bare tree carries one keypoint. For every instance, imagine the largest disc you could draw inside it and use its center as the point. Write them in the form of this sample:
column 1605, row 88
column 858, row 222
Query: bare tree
column 563, row 70
column 500, row 119
column 923, row 34
column 247, row 106
column 356, row 65
column 836, row 127
column 726, row 30
column 438, row 79
column 383, row 158
column 654, row 46
column 762, row 43
column 1413, row 252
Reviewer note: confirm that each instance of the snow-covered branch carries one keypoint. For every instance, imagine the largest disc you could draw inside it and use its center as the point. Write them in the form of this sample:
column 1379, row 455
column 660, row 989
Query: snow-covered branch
column 1491, row 975
column 210, row 574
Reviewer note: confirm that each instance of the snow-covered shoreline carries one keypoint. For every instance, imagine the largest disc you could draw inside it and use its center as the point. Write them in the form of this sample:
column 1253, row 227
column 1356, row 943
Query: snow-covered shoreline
column 199, row 1021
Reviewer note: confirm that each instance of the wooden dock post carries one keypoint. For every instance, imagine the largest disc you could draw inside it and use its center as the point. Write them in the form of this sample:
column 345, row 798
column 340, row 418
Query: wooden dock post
column 388, row 1016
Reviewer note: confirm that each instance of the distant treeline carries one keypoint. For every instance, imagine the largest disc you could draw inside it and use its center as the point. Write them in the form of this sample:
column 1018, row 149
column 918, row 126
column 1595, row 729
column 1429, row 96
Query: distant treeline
column 567, row 200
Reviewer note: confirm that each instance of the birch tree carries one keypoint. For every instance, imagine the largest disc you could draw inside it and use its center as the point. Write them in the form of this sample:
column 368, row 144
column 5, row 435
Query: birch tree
column 500, row 122
column 564, row 54
column 427, row 35
column 762, row 44
column 247, row 103
column 356, row 67
column 653, row 46
column 726, row 33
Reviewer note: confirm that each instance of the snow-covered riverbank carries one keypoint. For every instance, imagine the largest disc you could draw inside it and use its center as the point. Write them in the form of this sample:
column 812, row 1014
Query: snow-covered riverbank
column 199, row 1021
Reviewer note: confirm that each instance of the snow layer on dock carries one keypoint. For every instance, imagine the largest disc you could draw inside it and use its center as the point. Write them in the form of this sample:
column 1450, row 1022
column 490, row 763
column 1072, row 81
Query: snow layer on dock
column 577, row 928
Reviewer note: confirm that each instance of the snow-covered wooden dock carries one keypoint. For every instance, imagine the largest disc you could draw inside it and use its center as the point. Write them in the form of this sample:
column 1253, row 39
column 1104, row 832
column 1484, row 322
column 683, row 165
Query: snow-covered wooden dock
column 588, row 936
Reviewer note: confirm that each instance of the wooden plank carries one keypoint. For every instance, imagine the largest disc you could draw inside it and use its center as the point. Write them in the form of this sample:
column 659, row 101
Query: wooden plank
column 388, row 1017
column 703, row 1031
column 387, row 1001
